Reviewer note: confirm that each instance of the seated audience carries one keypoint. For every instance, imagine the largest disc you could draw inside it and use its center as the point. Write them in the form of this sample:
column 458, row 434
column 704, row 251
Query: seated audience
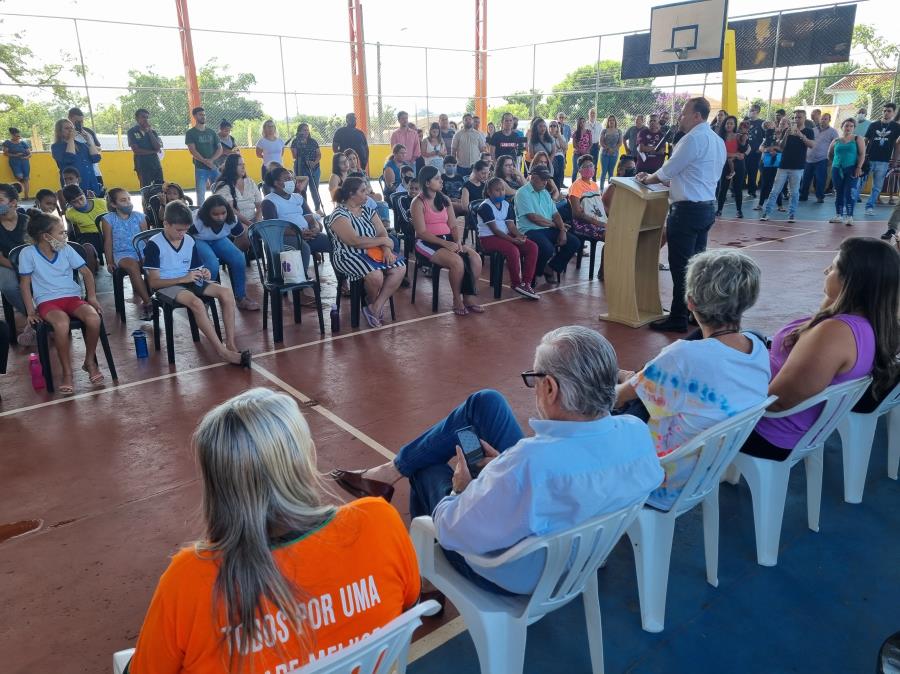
column 45, row 200
column 438, row 236
column 363, row 249
column 273, row 550
column 46, row 282
column 452, row 185
column 13, row 226
column 170, row 192
column 626, row 168
column 498, row 234
column 353, row 159
column 175, row 270
column 855, row 333
column 239, row 190
column 581, row 463
column 392, row 166
column 340, row 167
column 538, row 219
column 70, row 176
column 373, row 200
column 120, row 226
column 509, row 174
column 677, row 392
column 584, row 222
column 82, row 214
column 215, row 223
column 541, row 158
column 284, row 203
column 473, row 188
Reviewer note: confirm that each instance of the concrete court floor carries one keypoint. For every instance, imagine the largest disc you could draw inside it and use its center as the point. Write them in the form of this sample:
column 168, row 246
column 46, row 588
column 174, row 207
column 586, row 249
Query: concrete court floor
column 110, row 475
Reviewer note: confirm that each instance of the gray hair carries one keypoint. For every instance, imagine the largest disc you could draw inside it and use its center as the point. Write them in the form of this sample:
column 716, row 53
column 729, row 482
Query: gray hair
column 722, row 285
column 584, row 365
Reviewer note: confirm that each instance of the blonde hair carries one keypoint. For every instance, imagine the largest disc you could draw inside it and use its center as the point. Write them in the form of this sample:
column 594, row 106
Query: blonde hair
column 258, row 464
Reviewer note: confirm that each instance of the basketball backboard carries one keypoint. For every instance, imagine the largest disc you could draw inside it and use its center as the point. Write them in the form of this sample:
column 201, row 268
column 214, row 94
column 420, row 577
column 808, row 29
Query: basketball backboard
column 687, row 31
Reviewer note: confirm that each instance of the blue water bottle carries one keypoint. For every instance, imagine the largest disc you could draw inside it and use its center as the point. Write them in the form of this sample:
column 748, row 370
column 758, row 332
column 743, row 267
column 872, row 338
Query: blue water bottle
column 140, row 344
column 335, row 319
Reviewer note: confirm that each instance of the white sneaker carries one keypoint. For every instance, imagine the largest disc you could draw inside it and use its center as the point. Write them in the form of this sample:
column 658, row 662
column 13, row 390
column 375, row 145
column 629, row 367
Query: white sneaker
column 764, row 217
column 848, row 221
column 870, row 210
column 836, row 220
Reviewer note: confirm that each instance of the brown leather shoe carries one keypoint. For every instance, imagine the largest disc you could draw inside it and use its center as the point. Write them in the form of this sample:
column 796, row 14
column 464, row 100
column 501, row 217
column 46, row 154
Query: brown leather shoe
column 360, row 486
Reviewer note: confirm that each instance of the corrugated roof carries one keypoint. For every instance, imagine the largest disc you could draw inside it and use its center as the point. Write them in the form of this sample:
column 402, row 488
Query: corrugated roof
column 859, row 79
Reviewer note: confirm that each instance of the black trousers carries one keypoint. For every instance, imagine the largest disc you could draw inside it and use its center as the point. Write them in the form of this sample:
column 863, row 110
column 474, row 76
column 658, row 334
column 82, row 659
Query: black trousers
column 150, row 175
column 736, row 183
column 752, row 163
column 765, row 185
column 687, row 228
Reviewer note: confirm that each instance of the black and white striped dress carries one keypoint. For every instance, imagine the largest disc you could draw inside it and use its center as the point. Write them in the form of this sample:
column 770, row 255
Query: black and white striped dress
column 352, row 262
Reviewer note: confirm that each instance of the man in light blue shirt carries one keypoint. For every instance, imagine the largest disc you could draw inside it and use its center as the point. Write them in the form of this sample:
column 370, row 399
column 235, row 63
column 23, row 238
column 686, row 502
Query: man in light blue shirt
column 540, row 221
column 581, row 462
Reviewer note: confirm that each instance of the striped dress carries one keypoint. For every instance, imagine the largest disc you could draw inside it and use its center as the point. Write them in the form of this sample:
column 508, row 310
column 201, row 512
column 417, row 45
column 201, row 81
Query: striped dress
column 353, row 262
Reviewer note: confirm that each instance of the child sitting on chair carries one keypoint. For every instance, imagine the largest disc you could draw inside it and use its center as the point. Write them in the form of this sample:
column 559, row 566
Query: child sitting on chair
column 177, row 272
column 120, row 226
column 46, row 280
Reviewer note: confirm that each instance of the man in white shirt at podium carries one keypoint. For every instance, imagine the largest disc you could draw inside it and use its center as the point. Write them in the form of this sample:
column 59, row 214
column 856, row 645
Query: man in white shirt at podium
column 691, row 174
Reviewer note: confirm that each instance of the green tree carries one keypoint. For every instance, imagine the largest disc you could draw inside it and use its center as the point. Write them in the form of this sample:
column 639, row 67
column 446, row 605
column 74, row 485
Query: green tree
column 882, row 52
column 575, row 94
column 807, row 94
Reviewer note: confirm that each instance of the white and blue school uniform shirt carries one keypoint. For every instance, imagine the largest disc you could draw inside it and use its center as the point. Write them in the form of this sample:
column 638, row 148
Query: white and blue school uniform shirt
column 123, row 233
column 290, row 209
column 489, row 212
column 202, row 232
column 171, row 262
column 51, row 278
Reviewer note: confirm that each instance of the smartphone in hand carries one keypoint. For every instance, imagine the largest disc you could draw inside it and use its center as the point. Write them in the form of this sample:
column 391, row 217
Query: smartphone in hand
column 472, row 449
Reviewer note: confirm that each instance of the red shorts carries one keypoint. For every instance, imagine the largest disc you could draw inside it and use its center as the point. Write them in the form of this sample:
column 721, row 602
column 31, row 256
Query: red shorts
column 68, row 305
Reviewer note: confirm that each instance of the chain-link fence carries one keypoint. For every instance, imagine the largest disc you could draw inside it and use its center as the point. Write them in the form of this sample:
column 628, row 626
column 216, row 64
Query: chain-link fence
column 110, row 69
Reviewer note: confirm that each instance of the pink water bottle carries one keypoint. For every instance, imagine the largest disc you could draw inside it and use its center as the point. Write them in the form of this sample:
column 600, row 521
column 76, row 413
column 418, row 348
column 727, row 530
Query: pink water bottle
column 37, row 372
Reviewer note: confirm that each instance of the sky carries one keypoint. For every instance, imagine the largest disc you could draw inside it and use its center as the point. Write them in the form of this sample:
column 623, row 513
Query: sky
column 319, row 70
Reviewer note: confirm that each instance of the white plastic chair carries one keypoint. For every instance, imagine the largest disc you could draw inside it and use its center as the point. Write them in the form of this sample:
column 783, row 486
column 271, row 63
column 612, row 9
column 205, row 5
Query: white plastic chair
column 652, row 531
column 499, row 624
column 768, row 480
column 388, row 647
column 857, row 432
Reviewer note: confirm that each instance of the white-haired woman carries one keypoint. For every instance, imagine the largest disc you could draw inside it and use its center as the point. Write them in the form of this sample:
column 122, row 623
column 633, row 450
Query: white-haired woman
column 280, row 574
column 695, row 383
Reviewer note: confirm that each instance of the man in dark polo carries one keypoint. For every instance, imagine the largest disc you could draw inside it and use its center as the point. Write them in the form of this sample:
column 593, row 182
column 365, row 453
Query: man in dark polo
column 145, row 144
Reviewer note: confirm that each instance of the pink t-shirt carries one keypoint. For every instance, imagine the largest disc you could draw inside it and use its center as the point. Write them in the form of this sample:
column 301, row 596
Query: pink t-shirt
column 435, row 221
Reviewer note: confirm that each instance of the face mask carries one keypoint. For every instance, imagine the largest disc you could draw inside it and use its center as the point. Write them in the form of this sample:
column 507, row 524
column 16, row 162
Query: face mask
column 56, row 244
column 497, row 200
column 289, row 186
column 450, row 170
column 586, row 173
column 126, row 210
column 629, row 173
column 4, row 209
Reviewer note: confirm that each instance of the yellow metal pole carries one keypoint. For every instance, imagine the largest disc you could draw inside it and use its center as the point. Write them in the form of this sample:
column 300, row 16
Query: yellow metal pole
column 729, row 75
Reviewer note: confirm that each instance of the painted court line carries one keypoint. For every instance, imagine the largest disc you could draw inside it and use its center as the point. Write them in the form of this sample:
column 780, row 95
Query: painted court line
column 439, row 637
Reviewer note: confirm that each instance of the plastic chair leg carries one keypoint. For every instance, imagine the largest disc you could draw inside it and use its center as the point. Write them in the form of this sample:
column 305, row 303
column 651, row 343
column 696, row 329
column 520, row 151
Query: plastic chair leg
column 391, row 302
column 591, row 599
column 732, row 475
column 593, row 249
column 267, row 297
column 119, row 294
column 435, row 286
column 499, row 642
column 156, row 310
column 651, row 539
column 195, row 331
column 355, row 300
column 104, row 342
column 412, row 299
column 814, row 464
column 317, row 289
column 170, row 333
column 278, row 316
column 768, row 482
column 857, row 433
column 893, row 433
column 711, row 536
column 296, row 297
column 43, row 344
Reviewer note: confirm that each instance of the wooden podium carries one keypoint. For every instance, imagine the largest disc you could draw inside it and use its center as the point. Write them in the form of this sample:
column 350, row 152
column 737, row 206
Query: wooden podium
column 631, row 256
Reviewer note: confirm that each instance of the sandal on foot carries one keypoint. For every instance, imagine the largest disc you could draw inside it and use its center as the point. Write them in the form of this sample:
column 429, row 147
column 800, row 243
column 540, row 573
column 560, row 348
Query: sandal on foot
column 65, row 390
column 246, row 357
column 371, row 318
column 96, row 378
column 461, row 312
column 475, row 308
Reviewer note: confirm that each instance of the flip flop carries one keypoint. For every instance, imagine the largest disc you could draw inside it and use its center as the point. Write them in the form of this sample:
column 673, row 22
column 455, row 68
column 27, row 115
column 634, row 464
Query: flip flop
column 96, row 378
column 461, row 312
column 245, row 358
column 65, row 390
column 371, row 318
column 475, row 308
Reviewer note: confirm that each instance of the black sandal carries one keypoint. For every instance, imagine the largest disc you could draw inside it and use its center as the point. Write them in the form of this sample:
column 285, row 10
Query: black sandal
column 245, row 358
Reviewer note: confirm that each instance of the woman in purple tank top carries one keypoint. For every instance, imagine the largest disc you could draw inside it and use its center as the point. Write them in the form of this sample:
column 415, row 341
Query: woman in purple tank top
column 855, row 333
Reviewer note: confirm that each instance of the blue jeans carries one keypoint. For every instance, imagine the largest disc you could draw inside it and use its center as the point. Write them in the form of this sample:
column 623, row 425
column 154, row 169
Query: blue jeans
column 814, row 170
column 844, row 187
column 545, row 238
column 424, row 460
column 201, row 176
column 878, row 170
column 223, row 251
column 607, row 167
column 792, row 177
column 384, row 212
column 315, row 177
column 687, row 228
column 10, row 289
column 559, row 170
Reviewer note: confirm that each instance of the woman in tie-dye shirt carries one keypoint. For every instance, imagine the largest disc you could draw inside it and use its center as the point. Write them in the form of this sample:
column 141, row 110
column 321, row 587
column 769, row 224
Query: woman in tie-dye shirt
column 695, row 383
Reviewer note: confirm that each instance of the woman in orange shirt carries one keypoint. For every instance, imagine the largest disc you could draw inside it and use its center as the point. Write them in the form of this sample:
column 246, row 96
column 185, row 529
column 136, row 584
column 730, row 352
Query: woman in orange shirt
column 281, row 578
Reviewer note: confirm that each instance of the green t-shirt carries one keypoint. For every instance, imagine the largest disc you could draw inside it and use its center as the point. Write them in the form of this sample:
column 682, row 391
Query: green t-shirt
column 529, row 201
column 206, row 142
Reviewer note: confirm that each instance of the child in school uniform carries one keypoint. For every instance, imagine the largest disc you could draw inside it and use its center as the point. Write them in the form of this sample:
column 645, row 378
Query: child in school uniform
column 46, row 281
column 176, row 271
column 120, row 226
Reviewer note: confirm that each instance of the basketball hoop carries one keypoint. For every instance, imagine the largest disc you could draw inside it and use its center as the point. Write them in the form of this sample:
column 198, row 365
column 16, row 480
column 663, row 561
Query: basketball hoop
column 680, row 52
